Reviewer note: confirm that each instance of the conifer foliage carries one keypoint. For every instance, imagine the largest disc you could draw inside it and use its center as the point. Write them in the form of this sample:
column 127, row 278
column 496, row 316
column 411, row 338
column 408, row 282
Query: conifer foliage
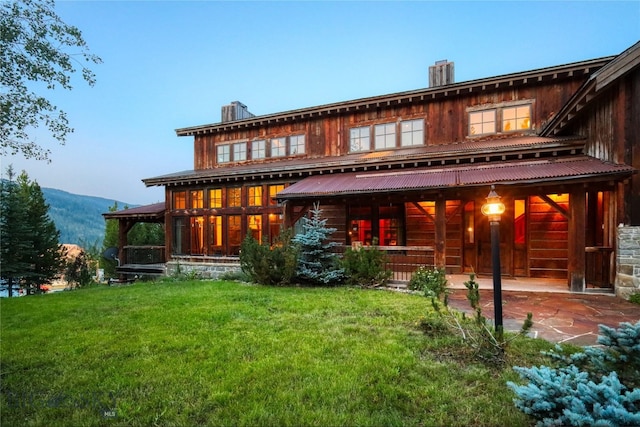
column 317, row 262
column 31, row 252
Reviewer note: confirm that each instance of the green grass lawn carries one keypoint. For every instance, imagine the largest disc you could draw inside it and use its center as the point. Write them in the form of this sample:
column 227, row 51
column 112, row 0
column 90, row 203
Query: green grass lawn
column 225, row 353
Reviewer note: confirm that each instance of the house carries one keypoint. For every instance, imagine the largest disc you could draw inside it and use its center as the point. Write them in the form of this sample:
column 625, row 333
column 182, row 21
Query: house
column 412, row 171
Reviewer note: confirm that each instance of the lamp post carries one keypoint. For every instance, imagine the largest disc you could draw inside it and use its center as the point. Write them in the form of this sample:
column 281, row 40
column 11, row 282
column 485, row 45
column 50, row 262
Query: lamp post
column 492, row 210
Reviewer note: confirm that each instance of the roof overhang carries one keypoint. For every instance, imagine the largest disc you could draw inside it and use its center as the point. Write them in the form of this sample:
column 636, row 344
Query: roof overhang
column 147, row 213
column 520, row 172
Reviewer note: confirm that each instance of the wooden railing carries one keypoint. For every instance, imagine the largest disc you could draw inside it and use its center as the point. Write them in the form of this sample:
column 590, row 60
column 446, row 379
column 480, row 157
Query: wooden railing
column 143, row 255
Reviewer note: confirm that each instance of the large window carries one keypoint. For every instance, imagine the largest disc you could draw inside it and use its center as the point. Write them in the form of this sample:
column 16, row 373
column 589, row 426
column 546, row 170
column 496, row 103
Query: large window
column 179, row 200
column 197, row 199
column 516, row 118
column 234, row 231
column 385, row 136
column 278, row 147
column 360, row 139
column 388, row 230
column 224, row 153
column 255, row 226
column 412, row 133
column 197, row 235
column 296, row 144
column 254, row 195
column 234, row 197
column 258, row 149
column 215, row 234
column 482, row 122
column 215, row 198
column 239, row 151
column 273, row 191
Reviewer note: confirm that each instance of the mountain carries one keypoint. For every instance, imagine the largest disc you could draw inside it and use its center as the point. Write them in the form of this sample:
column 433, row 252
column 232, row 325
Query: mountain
column 79, row 218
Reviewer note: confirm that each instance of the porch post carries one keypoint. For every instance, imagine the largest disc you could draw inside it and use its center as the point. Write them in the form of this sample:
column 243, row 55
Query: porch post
column 577, row 240
column 440, row 258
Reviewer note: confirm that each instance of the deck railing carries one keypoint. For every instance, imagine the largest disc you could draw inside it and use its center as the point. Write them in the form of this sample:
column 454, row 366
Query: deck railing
column 143, row 255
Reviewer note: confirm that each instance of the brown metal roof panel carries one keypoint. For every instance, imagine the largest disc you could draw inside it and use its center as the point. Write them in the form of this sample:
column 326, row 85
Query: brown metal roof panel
column 155, row 210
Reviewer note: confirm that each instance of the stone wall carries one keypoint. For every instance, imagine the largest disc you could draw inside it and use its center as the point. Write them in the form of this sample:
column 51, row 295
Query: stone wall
column 628, row 261
column 201, row 270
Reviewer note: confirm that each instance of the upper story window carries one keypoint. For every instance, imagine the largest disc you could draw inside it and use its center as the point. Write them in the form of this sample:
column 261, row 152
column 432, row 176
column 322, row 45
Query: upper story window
column 215, row 198
column 360, row 139
column 516, row 118
column 255, row 196
column 385, row 136
column 179, row 200
column 278, row 147
column 273, row 191
column 412, row 133
column 224, row 153
column 239, row 151
column 482, row 122
column 258, row 149
column 197, row 199
column 234, row 197
column 296, row 144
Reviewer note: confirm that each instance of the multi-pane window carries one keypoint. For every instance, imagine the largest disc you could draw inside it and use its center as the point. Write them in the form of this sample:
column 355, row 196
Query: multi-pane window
column 254, row 195
column 258, row 149
column 234, row 232
column 197, row 199
column 179, row 200
column 516, row 118
column 482, row 122
column 412, row 133
column 278, row 147
column 215, row 231
column 215, row 198
column 254, row 223
column 296, row 144
column 385, row 136
column 234, row 197
column 360, row 139
column 239, row 151
column 224, row 153
column 273, row 191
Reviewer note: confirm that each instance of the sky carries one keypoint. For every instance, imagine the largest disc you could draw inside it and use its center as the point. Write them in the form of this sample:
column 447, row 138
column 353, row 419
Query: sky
column 174, row 64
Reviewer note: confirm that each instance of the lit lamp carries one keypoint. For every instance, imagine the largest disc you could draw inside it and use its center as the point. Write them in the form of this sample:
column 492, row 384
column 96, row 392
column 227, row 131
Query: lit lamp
column 492, row 210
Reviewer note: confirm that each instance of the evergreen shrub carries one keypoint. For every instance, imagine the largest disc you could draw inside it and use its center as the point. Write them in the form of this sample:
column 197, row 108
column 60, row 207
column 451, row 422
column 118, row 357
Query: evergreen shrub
column 431, row 281
column 269, row 265
column 366, row 266
column 596, row 387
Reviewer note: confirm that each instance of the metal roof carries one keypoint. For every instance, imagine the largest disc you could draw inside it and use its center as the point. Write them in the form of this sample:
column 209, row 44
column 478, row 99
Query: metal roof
column 147, row 212
column 514, row 172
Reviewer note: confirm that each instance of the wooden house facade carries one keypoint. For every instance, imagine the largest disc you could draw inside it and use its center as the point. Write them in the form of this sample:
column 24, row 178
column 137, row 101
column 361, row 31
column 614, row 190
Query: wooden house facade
column 411, row 170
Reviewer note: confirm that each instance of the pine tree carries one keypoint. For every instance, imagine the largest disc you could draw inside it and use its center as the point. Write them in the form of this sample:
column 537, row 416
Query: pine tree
column 110, row 241
column 317, row 263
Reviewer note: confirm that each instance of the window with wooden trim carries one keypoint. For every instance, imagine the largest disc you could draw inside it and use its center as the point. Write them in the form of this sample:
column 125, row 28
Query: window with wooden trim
column 234, row 197
column 223, row 153
column 215, row 197
column 278, row 147
column 273, row 191
column 239, row 151
column 197, row 199
column 254, row 194
column 385, row 136
column 258, row 149
column 296, row 144
column 516, row 118
column 412, row 132
column 179, row 200
column 234, row 233
column 254, row 225
column 482, row 122
column 360, row 139
column 215, row 233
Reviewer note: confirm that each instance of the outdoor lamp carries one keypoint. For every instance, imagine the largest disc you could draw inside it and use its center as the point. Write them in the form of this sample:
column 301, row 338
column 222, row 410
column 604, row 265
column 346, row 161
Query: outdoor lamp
column 492, row 210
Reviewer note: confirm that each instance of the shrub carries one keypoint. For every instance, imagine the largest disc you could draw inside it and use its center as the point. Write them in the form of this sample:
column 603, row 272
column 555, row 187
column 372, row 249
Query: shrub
column 267, row 265
column 431, row 281
column 366, row 266
column 595, row 387
column 635, row 298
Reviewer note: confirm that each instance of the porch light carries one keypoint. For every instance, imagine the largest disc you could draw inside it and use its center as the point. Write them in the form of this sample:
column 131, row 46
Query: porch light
column 492, row 210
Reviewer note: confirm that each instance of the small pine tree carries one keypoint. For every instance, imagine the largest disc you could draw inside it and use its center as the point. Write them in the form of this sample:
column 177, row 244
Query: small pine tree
column 317, row 263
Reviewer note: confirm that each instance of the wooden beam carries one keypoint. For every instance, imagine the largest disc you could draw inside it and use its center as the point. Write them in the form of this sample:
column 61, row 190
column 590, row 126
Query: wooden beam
column 440, row 257
column 577, row 240
column 562, row 211
column 424, row 211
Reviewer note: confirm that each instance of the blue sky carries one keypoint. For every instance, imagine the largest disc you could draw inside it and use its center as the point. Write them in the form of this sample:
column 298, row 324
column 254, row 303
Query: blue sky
column 168, row 65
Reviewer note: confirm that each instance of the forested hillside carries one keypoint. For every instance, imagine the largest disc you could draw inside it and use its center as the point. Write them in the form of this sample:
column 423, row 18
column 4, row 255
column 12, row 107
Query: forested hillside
column 79, row 218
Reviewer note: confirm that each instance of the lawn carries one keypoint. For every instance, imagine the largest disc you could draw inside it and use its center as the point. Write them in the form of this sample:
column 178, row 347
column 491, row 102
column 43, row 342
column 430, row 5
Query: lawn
column 226, row 353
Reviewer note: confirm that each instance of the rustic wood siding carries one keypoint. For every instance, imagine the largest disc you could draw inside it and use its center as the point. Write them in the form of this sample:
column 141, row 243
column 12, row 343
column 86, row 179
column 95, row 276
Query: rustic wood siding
column 548, row 234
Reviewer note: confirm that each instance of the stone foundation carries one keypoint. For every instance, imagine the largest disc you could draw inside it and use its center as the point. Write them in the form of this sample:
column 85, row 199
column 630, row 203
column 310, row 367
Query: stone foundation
column 628, row 262
column 201, row 270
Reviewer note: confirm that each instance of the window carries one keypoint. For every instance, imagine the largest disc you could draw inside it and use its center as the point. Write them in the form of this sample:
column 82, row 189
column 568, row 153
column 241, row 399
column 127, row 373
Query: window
column 255, row 196
column 255, row 227
column 180, row 237
column 482, row 122
column 360, row 139
column 234, row 231
column 278, row 147
column 234, row 197
column 273, row 191
column 385, row 136
column 224, row 154
column 516, row 118
column 197, row 199
column 197, row 235
column 179, row 200
column 388, row 230
column 215, row 198
column 258, row 150
column 412, row 133
column 239, row 151
column 275, row 223
column 215, row 232
column 296, row 144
